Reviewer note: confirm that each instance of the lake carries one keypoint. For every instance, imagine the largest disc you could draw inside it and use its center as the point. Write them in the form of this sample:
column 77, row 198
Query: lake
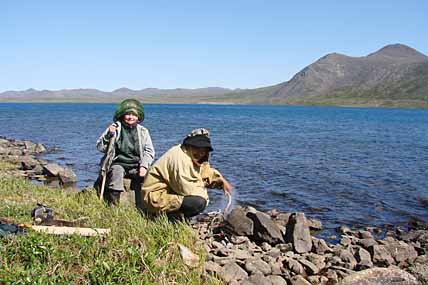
column 352, row 166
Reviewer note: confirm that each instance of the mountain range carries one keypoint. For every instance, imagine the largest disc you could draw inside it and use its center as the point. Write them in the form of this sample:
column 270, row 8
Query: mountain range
column 394, row 76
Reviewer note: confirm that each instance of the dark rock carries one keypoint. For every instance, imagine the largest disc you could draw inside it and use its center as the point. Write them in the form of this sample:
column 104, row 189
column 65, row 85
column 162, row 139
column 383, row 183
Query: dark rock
column 223, row 259
column 314, row 225
column 213, row 268
column 344, row 230
column 320, row 246
column 310, row 268
column 345, row 241
column 29, row 146
column 240, row 254
column 380, row 255
column 52, row 169
column 266, row 246
column 28, row 162
column 332, row 276
column 277, row 280
column 401, row 251
column 257, row 279
column 15, row 151
column 420, row 269
column 281, row 221
column 295, row 266
column 40, row 148
column 420, row 236
column 317, row 260
column 364, row 234
column 363, row 258
column 276, row 267
column 239, row 223
column 316, row 279
column 299, row 280
column 257, row 265
column 67, row 176
column 216, row 245
column 3, row 150
column 233, row 272
column 265, row 229
column 348, row 258
column 239, row 239
column 342, row 272
column 380, row 276
column 298, row 233
column 284, row 247
column 367, row 242
column 274, row 252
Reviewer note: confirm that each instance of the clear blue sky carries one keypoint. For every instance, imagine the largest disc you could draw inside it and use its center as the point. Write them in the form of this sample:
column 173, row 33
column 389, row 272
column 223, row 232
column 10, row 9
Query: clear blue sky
column 191, row 44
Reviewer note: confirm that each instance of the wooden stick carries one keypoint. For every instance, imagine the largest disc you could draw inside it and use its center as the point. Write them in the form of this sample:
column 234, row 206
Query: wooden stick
column 54, row 230
column 103, row 184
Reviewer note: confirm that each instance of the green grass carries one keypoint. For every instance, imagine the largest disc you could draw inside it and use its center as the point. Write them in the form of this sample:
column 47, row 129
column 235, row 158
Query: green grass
column 138, row 250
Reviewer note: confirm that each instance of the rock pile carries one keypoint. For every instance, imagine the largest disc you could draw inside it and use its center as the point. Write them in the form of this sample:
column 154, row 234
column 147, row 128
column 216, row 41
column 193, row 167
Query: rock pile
column 24, row 154
column 253, row 247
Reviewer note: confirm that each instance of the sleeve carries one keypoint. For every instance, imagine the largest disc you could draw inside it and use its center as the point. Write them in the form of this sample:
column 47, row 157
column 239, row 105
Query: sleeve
column 211, row 176
column 148, row 154
column 102, row 142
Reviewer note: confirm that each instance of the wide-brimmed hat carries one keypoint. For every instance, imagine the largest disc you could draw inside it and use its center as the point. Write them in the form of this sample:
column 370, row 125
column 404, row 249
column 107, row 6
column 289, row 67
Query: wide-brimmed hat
column 199, row 138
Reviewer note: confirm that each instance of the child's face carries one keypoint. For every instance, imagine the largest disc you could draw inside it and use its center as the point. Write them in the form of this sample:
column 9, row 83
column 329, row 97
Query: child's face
column 130, row 119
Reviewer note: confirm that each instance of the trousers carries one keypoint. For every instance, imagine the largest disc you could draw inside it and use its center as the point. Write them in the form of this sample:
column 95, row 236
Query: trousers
column 115, row 184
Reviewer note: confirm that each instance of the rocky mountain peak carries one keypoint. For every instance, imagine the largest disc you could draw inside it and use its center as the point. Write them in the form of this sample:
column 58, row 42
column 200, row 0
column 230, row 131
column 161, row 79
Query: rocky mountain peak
column 399, row 52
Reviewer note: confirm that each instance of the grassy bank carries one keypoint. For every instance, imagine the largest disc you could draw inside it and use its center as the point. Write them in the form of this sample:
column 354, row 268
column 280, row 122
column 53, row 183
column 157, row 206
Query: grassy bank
column 138, row 251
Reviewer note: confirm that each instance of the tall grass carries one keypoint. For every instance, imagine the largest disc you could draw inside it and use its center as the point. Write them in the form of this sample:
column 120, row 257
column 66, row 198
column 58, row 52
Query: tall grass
column 138, row 250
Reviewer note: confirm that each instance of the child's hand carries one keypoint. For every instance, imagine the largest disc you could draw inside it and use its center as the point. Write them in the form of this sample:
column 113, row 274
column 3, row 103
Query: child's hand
column 112, row 129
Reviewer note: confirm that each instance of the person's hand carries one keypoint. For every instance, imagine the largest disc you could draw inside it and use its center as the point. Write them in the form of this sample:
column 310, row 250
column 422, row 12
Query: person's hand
column 227, row 188
column 142, row 172
column 112, row 129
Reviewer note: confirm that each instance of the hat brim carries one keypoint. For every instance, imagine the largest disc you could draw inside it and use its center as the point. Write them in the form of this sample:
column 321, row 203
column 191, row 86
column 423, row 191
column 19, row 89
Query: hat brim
column 199, row 141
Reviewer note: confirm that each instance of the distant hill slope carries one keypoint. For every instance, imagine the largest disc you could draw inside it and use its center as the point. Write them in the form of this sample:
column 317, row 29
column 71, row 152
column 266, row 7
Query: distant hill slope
column 394, row 76
column 178, row 95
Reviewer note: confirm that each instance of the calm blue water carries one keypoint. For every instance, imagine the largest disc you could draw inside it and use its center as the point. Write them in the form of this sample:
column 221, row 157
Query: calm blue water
column 350, row 166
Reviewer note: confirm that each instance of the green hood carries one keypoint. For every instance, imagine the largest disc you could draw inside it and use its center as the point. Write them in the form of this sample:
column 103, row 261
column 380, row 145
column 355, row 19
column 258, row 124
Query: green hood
column 129, row 106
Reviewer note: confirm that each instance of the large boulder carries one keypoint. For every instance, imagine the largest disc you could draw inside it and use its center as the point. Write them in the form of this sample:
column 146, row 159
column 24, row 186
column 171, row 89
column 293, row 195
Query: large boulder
column 67, row 176
column 52, row 169
column 265, row 229
column 298, row 233
column 380, row 276
column 381, row 255
column 233, row 272
column 401, row 251
column 238, row 223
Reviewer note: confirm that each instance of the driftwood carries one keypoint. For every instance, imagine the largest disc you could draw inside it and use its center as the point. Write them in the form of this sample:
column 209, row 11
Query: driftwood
column 70, row 230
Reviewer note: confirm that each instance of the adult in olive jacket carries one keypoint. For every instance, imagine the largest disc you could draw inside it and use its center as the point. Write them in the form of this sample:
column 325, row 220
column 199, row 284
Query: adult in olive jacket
column 177, row 183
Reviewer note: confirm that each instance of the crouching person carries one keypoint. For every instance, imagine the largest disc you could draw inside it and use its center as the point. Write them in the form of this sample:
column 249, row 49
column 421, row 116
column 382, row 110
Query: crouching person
column 131, row 152
column 177, row 183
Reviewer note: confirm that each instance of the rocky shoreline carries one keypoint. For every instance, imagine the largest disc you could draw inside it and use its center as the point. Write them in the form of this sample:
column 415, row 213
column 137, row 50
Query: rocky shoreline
column 247, row 246
column 253, row 247
column 26, row 155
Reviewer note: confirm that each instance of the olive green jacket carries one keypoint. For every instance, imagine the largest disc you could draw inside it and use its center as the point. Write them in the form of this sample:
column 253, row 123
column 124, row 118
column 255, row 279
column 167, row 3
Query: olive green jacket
column 174, row 176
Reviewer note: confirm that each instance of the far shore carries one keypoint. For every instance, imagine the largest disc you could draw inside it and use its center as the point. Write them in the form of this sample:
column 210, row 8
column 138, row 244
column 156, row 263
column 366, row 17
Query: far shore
column 378, row 104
